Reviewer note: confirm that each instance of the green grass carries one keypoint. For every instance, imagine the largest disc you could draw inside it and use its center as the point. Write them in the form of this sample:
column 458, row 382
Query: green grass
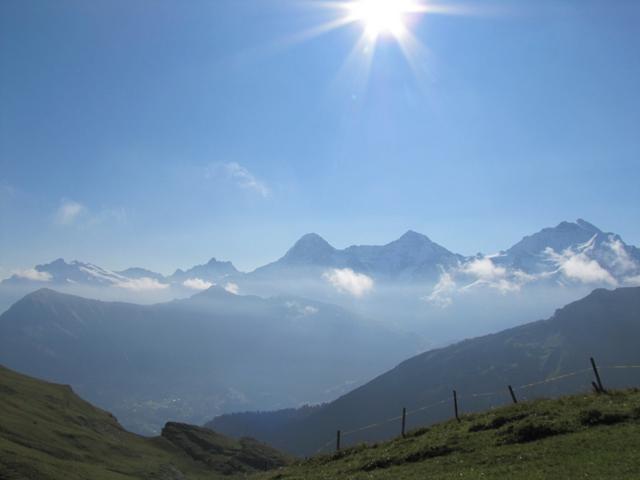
column 48, row 433
column 583, row 436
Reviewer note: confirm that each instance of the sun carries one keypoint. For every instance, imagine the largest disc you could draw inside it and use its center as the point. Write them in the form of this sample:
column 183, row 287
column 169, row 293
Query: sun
column 382, row 17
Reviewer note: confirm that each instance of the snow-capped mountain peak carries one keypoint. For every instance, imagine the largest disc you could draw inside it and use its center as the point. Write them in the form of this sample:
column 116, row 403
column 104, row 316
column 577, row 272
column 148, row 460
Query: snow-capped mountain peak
column 310, row 249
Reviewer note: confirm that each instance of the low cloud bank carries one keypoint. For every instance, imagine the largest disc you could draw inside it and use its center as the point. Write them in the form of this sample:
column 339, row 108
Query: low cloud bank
column 144, row 284
column 68, row 212
column 232, row 288
column 607, row 263
column 347, row 281
column 197, row 284
column 579, row 267
column 33, row 275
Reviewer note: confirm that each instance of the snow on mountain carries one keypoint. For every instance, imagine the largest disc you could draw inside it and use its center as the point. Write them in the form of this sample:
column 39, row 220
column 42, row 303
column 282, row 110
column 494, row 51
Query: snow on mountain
column 570, row 254
column 137, row 273
column 74, row 272
column 211, row 273
column 578, row 251
column 411, row 257
column 60, row 272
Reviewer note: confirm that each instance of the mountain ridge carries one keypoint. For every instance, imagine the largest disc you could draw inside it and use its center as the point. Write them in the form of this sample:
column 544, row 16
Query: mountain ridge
column 411, row 256
column 148, row 363
column 524, row 354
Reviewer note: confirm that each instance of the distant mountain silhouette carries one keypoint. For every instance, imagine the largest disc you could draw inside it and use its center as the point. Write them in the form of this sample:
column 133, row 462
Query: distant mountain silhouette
column 213, row 271
column 412, row 257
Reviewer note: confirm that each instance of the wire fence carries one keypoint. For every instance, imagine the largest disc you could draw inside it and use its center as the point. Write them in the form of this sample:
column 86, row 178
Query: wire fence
column 597, row 387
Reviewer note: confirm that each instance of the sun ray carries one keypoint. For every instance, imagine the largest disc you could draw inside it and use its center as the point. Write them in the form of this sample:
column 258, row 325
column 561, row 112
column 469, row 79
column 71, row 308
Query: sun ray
column 356, row 67
column 380, row 20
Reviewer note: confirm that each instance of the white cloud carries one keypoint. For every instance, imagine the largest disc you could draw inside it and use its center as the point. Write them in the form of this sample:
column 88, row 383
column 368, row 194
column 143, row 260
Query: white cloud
column 240, row 176
column 633, row 281
column 197, row 284
column 33, row 275
column 347, row 281
column 68, row 212
column 232, row 288
column 302, row 310
column 621, row 261
column 442, row 294
column 485, row 269
column 143, row 284
column 493, row 276
column 310, row 310
column 477, row 273
column 578, row 266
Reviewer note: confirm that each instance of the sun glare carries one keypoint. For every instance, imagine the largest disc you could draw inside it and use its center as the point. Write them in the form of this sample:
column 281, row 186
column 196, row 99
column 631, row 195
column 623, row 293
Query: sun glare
column 382, row 17
column 394, row 20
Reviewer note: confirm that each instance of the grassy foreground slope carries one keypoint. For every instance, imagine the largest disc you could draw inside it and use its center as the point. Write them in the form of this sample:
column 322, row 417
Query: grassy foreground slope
column 583, row 436
column 49, row 433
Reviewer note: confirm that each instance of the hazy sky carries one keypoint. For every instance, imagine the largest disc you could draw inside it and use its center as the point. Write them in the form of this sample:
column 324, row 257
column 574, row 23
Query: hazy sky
column 160, row 133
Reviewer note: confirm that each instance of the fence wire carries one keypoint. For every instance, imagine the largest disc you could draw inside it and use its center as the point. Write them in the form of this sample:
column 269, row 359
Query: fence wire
column 474, row 395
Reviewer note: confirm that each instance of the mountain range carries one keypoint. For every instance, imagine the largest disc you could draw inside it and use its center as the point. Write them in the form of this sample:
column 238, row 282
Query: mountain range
column 187, row 359
column 604, row 325
column 571, row 253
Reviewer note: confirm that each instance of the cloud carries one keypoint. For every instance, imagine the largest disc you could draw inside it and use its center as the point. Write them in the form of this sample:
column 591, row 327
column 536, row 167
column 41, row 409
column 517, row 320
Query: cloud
column 302, row 310
column 143, row 284
column 347, row 281
column 197, row 284
column 578, row 266
column 442, row 294
column 71, row 212
column 485, row 269
column 68, row 212
column 240, row 176
column 620, row 258
column 493, row 276
column 33, row 275
column 477, row 273
column 232, row 288
column 633, row 281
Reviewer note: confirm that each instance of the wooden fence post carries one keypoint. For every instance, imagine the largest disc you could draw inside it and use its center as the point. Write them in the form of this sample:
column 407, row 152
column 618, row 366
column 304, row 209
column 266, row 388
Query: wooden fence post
column 513, row 395
column 595, row 370
column 404, row 419
column 455, row 405
column 338, row 441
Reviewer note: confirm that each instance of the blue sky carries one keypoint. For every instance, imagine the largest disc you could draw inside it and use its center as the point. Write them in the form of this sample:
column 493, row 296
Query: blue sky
column 161, row 133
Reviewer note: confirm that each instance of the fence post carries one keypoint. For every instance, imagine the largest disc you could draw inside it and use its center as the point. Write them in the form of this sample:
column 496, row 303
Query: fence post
column 338, row 441
column 404, row 418
column 455, row 405
column 595, row 370
column 513, row 395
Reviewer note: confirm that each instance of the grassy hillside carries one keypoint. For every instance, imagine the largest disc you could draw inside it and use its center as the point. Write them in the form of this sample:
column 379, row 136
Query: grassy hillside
column 49, row 433
column 584, row 436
